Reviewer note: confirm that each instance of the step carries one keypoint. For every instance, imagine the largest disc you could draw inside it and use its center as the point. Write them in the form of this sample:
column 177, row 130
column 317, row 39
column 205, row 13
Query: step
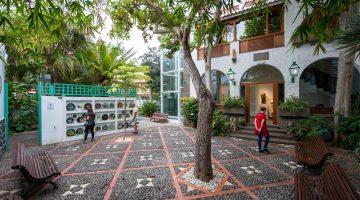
column 254, row 138
column 272, row 134
column 271, row 129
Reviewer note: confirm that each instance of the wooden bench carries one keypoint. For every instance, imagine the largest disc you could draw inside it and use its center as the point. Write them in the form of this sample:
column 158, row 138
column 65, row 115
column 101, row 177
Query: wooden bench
column 312, row 153
column 159, row 117
column 36, row 167
column 332, row 184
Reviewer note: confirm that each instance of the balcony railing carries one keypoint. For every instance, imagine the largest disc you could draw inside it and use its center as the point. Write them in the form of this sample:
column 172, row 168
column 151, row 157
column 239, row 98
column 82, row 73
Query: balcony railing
column 262, row 42
column 218, row 51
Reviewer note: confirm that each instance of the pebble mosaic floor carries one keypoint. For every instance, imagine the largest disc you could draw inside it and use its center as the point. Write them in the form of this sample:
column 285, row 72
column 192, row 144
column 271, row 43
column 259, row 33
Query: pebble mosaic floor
column 157, row 164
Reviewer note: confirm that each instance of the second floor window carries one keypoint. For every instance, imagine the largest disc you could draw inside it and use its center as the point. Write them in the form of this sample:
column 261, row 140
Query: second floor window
column 227, row 34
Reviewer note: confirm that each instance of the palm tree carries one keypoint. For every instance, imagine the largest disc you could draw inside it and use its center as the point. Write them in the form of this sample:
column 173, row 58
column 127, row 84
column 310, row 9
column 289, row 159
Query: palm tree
column 350, row 39
column 102, row 59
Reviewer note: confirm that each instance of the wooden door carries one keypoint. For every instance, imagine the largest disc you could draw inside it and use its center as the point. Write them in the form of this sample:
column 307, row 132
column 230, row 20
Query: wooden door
column 247, row 102
column 275, row 102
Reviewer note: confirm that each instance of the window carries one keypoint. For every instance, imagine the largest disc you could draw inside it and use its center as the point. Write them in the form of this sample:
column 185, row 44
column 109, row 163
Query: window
column 240, row 30
column 227, row 34
column 170, row 81
column 275, row 23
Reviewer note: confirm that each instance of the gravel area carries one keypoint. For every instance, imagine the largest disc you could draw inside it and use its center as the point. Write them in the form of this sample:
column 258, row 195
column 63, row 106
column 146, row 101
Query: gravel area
column 211, row 185
column 181, row 142
column 15, row 186
column 235, row 196
column 145, row 159
column 93, row 163
column 109, row 146
column 76, row 148
column 226, row 153
column 284, row 192
column 252, row 173
column 152, row 183
column 179, row 156
column 64, row 161
column 148, row 144
column 284, row 162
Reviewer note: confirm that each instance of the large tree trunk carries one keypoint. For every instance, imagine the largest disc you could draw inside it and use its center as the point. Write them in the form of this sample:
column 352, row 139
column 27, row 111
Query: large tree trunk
column 344, row 77
column 203, row 168
column 208, row 77
column 343, row 89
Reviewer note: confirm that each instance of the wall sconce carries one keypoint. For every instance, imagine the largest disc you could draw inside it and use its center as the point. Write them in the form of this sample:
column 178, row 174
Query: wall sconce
column 233, row 55
column 231, row 75
column 294, row 71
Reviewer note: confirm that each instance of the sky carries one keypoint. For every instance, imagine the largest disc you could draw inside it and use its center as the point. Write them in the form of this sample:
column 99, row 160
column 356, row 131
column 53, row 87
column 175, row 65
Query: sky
column 136, row 41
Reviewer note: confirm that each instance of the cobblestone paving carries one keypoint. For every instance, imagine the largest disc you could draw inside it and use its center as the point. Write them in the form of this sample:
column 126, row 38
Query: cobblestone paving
column 152, row 166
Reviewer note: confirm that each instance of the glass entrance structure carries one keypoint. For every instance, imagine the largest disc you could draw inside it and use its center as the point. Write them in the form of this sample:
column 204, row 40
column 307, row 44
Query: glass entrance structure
column 171, row 84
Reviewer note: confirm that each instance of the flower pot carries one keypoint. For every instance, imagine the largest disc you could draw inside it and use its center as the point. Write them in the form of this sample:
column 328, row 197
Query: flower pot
column 233, row 110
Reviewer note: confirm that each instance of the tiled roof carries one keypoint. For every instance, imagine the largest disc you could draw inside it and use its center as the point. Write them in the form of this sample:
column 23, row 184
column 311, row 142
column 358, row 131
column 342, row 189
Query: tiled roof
column 244, row 7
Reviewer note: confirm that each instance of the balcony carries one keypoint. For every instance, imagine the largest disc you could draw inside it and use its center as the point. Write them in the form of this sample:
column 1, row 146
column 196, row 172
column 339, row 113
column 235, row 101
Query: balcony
column 217, row 51
column 262, row 42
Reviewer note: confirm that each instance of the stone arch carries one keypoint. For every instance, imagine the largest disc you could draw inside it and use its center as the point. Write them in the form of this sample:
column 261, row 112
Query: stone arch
column 262, row 73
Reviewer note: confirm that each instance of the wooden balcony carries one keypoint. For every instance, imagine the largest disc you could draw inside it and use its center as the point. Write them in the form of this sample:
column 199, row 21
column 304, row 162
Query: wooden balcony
column 262, row 42
column 218, row 51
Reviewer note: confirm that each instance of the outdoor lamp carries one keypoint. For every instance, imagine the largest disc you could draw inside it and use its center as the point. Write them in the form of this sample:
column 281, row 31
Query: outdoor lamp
column 231, row 75
column 294, row 71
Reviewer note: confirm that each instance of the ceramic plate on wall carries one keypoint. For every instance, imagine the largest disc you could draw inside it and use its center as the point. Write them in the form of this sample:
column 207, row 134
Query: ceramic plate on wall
column 97, row 128
column 111, row 105
column 105, row 127
column 70, row 132
column 97, row 105
column 70, row 107
column 69, row 120
column 112, row 126
column 120, row 105
column 120, row 125
column 104, row 117
column 79, row 131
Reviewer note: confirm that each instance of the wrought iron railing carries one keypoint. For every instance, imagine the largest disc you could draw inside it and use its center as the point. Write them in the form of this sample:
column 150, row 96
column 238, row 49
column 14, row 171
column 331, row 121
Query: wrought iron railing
column 63, row 89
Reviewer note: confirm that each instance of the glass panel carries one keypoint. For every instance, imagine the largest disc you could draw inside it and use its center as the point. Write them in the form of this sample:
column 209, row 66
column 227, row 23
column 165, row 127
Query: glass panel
column 168, row 64
column 262, row 73
column 220, row 85
column 170, row 81
column 170, row 104
column 242, row 91
column 281, row 92
column 227, row 34
column 240, row 30
column 181, row 79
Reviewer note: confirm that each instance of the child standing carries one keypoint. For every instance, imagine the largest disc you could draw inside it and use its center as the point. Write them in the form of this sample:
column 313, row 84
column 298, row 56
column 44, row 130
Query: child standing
column 261, row 129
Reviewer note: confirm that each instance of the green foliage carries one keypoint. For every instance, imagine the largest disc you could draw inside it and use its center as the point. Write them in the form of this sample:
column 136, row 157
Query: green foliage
column 350, row 38
column 355, row 101
column 254, row 27
column 148, row 108
column 22, row 108
column 189, row 109
column 357, row 149
column 293, row 104
column 220, row 124
column 350, row 126
column 312, row 126
column 152, row 59
column 231, row 102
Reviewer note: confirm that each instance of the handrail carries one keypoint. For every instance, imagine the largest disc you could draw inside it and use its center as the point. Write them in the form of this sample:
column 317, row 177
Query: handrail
column 261, row 36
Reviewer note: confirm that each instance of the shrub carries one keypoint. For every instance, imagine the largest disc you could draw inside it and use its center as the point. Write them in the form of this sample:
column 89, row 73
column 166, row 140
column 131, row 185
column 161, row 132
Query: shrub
column 148, row 108
column 231, row 102
column 189, row 109
column 358, row 147
column 350, row 126
column 294, row 104
column 355, row 102
column 220, row 124
column 312, row 126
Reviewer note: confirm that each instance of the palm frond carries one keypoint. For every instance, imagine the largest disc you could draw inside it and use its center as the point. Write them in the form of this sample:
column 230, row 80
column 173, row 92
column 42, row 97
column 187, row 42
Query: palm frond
column 349, row 41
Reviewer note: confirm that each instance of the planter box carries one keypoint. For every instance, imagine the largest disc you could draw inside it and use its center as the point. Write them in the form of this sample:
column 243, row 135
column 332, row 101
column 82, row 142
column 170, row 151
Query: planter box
column 287, row 116
column 233, row 110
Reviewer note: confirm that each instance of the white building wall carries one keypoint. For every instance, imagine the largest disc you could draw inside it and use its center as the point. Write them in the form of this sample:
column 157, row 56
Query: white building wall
column 280, row 58
column 2, row 81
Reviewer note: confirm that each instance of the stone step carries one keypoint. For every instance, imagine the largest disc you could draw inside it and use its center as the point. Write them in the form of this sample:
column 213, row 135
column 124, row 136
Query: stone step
column 254, row 138
column 270, row 128
column 272, row 133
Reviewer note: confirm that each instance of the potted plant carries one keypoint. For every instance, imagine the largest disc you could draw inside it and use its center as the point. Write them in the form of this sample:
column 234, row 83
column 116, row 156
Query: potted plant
column 294, row 107
column 291, row 109
column 233, row 105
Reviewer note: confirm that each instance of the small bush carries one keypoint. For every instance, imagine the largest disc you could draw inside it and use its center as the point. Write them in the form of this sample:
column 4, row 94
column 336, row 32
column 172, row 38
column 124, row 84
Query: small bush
column 189, row 109
column 148, row 108
column 231, row 102
column 350, row 126
column 294, row 104
column 220, row 124
column 312, row 126
column 358, row 147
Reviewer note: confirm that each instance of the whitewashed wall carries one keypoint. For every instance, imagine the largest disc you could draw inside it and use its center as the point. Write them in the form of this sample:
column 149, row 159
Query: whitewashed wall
column 2, row 82
column 280, row 58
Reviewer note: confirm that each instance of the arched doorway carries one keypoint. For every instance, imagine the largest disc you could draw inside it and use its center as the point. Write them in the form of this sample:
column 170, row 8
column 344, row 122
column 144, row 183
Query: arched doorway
column 262, row 86
column 318, row 85
column 220, row 85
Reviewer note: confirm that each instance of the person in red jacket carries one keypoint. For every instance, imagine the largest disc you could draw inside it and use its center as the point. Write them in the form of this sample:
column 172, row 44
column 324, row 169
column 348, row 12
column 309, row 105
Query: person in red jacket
column 261, row 129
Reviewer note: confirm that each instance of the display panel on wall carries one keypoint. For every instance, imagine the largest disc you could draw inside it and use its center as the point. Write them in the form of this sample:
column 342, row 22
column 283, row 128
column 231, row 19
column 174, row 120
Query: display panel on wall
column 110, row 115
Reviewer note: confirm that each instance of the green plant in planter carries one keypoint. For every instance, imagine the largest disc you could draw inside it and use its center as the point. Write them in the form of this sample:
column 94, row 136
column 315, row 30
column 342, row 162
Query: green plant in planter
column 220, row 124
column 355, row 102
column 148, row 108
column 294, row 104
column 350, row 126
column 231, row 102
column 312, row 126
column 189, row 109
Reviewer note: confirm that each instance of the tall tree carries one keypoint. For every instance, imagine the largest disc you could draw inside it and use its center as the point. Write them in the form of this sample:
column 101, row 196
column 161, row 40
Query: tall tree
column 319, row 24
column 176, row 20
column 152, row 59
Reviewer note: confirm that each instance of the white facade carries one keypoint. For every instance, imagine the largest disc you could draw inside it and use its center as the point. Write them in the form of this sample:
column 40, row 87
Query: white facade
column 281, row 58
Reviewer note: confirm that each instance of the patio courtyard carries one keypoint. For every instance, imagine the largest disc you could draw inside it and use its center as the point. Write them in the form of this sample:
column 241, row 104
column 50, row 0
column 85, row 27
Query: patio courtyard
column 157, row 163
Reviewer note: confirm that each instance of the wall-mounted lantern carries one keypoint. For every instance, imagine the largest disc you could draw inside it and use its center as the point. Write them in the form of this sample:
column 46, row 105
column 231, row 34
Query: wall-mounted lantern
column 231, row 75
column 294, row 71
column 233, row 55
